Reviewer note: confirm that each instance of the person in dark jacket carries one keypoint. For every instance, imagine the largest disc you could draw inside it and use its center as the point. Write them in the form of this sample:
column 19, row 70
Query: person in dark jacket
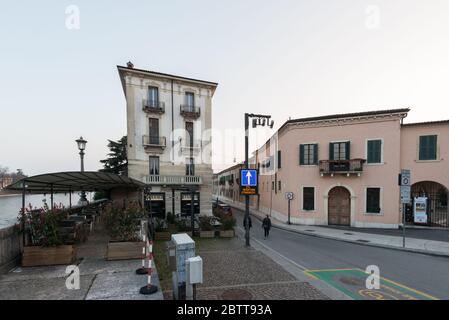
column 250, row 223
column 266, row 225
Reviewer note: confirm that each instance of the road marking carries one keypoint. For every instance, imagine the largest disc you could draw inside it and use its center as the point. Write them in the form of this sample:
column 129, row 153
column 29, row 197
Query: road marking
column 351, row 282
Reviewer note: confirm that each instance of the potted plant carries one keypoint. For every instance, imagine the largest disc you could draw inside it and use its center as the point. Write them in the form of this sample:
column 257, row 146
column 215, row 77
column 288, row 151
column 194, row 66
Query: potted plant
column 46, row 245
column 184, row 227
column 161, row 230
column 206, row 229
column 123, row 226
column 227, row 227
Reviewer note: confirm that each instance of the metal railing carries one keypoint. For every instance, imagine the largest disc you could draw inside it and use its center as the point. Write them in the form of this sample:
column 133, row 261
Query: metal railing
column 342, row 166
column 153, row 106
column 188, row 145
column 154, row 141
column 176, row 180
column 190, row 111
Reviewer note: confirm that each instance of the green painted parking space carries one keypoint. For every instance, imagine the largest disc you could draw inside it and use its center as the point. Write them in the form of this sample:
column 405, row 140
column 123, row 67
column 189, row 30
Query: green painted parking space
column 352, row 282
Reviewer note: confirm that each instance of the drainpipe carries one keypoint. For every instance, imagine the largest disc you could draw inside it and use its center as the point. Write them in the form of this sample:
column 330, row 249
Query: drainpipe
column 172, row 124
column 271, row 194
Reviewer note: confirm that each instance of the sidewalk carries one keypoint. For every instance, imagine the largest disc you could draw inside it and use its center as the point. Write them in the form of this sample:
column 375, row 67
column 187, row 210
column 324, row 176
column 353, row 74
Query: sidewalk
column 438, row 248
column 99, row 279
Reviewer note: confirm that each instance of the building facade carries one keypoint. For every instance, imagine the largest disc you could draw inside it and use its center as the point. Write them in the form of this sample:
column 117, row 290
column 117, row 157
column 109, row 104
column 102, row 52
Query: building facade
column 343, row 170
column 169, row 119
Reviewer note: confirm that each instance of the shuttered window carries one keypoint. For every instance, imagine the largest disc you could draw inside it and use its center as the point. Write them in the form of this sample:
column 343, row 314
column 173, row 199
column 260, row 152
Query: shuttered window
column 308, row 194
column 428, row 147
column 308, row 154
column 374, row 149
column 339, row 151
column 373, row 200
column 279, row 159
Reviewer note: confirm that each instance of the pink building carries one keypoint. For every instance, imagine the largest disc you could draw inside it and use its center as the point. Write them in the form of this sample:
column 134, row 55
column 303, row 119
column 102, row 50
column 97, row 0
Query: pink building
column 343, row 170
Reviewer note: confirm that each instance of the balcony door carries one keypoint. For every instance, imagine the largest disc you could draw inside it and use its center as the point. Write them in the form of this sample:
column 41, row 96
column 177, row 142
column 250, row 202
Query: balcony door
column 190, row 101
column 189, row 134
column 154, row 166
column 154, row 131
column 153, row 97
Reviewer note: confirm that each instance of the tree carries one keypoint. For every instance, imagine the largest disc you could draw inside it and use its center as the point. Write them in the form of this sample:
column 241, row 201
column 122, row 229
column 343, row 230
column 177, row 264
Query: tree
column 117, row 160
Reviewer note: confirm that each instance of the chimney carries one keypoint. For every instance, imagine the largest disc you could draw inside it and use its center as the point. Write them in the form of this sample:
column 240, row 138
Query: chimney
column 130, row 65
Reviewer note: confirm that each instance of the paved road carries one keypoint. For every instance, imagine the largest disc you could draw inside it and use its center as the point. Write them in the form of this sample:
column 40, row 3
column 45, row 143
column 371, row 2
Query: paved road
column 424, row 273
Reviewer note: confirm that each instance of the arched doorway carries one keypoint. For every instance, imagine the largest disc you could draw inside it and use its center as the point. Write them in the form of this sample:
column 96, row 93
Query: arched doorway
column 339, row 207
column 437, row 209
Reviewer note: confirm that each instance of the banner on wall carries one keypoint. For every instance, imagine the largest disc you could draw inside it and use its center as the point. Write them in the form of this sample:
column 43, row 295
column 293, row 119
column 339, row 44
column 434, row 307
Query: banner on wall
column 420, row 210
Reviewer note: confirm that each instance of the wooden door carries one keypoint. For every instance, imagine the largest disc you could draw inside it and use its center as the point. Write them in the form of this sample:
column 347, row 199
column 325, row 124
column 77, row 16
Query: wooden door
column 339, row 207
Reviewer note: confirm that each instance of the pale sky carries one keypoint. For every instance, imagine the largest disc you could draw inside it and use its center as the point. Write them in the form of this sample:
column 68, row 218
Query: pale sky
column 287, row 58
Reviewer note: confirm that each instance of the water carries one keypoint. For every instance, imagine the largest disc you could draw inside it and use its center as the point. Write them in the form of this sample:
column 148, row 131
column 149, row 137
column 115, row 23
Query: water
column 11, row 205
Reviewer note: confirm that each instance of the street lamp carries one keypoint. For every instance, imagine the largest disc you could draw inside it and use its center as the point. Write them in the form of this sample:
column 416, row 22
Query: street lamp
column 82, row 146
column 258, row 120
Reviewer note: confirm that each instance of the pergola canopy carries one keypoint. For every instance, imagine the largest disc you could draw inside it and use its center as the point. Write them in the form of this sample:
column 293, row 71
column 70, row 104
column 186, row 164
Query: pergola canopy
column 63, row 182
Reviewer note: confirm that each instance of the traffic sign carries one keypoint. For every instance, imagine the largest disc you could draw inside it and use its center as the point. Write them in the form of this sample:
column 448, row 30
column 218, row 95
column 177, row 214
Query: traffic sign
column 249, row 182
column 405, row 181
column 248, row 178
column 405, row 178
column 289, row 195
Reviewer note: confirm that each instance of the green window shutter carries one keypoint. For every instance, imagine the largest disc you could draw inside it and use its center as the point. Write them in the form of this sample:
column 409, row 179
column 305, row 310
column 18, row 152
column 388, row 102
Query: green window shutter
column 348, row 150
column 422, row 147
column 428, row 147
column 374, row 151
column 315, row 154
column 301, row 154
column 331, row 151
column 279, row 159
column 373, row 200
column 432, row 147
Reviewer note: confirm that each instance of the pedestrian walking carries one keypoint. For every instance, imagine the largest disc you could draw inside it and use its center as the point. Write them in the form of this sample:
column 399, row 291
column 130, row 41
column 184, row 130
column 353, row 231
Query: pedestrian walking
column 266, row 225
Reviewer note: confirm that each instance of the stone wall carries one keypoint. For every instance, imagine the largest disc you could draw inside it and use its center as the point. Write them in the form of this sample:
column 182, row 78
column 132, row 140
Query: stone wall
column 10, row 248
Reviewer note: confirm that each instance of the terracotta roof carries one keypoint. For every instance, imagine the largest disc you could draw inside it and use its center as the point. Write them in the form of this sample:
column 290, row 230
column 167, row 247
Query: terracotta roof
column 167, row 75
column 425, row 123
column 348, row 115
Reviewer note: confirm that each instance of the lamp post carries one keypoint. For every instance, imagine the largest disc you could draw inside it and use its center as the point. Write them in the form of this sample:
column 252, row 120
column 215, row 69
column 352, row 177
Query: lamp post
column 82, row 146
column 258, row 120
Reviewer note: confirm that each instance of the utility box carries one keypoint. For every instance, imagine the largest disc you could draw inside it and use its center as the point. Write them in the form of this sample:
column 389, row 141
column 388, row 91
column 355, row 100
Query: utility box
column 184, row 249
column 195, row 270
column 171, row 255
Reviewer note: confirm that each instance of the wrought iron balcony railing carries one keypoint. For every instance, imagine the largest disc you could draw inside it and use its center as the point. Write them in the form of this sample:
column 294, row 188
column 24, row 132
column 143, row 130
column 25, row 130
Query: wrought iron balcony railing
column 154, row 141
column 153, row 106
column 173, row 180
column 342, row 166
column 190, row 111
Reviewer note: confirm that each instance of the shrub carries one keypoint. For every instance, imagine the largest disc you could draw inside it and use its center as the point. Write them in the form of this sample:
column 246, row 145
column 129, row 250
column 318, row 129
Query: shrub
column 205, row 224
column 228, row 223
column 171, row 218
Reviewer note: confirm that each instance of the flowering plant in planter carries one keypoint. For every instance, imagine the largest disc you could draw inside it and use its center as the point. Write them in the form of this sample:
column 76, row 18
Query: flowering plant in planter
column 121, row 223
column 42, row 224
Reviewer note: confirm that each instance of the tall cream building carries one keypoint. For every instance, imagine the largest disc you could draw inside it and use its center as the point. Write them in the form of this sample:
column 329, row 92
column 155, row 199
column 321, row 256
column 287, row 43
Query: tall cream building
column 169, row 120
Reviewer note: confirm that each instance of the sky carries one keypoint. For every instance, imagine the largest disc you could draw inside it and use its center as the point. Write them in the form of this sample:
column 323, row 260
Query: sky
column 286, row 58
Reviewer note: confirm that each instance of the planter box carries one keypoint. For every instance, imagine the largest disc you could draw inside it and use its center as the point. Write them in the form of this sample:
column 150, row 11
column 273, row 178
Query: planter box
column 207, row 234
column 124, row 250
column 48, row 256
column 227, row 234
column 162, row 235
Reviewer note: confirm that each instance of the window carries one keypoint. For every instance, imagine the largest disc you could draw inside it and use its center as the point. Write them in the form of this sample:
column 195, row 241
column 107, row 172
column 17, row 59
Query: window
column 279, row 159
column 428, row 147
column 373, row 200
column 189, row 134
column 190, row 100
column 339, row 151
column 154, row 131
column 279, row 185
column 272, row 185
column 190, row 167
column 154, row 166
column 374, row 151
column 308, row 198
column 308, row 154
column 153, row 97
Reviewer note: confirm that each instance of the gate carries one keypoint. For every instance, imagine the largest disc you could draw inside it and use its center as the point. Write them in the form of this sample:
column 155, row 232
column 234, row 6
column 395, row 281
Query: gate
column 437, row 209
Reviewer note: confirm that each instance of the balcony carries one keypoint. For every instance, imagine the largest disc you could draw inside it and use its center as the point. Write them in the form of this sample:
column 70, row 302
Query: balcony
column 154, row 142
column 153, row 106
column 348, row 167
column 189, row 111
column 174, row 180
column 188, row 147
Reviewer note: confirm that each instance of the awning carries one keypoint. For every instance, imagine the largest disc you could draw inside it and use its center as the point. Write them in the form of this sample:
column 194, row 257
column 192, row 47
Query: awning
column 63, row 182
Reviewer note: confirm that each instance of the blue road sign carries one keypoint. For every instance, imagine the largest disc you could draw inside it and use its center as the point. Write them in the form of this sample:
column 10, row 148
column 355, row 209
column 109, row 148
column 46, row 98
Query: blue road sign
column 248, row 178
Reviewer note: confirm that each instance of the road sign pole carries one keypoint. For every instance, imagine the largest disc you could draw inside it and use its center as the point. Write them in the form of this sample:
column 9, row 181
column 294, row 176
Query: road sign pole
column 289, row 200
column 247, row 167
column 403, row 225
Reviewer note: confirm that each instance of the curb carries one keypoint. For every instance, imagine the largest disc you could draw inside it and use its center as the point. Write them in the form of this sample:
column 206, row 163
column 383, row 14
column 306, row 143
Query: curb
column 384, row 246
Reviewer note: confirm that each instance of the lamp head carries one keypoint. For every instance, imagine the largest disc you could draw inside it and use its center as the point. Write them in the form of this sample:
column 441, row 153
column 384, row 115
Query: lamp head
column 81, row 144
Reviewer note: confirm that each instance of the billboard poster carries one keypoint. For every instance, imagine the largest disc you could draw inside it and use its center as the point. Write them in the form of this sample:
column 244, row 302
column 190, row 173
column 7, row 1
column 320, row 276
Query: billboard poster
column 420, row 210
